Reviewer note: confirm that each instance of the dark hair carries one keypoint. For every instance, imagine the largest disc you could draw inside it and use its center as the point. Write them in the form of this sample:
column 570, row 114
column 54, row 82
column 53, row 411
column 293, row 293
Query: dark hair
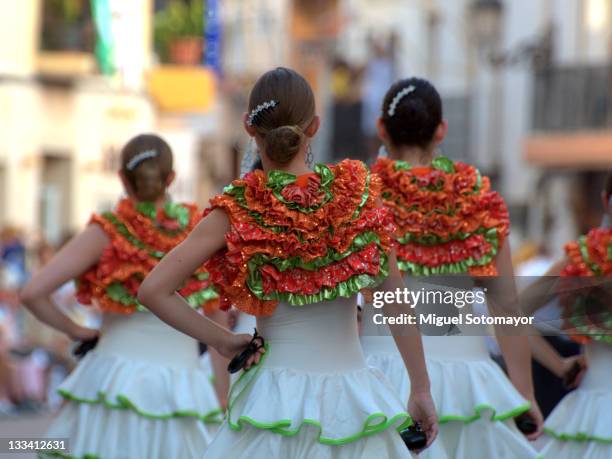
column 416, row 115
column 147, row 177
column 281, row 126
column 608, row 184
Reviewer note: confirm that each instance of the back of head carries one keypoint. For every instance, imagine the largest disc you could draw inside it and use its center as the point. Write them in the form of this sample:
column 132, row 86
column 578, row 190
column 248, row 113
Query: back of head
column 608, row 185
column 411, row 112
column 146, row 164
column 281, row 106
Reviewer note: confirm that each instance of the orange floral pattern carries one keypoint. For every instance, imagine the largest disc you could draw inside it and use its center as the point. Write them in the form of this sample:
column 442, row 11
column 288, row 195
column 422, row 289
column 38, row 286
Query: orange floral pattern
column 301, row 239
column 137, row 243
column 448, row 220
column 587, row 310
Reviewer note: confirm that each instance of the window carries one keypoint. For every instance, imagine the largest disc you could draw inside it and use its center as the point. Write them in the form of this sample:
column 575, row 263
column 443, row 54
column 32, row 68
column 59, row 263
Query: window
column 67, row 25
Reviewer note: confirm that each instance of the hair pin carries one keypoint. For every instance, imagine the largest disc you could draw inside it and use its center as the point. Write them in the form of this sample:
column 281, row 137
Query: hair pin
column 398, row 97
column 139, row 158
column 259, row 109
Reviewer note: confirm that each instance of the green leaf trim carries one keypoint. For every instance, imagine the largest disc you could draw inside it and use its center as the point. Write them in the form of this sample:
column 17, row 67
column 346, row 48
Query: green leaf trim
column 344, row 289
column 579, row 437
column 177, row 212
column 584, row 252
column 584, row 328
column 442, row 163
column 458, row 267
column 400, row 165
column 122, row 229
column 374, row 423
column 117, row 292
column 364, row 196
column 278, row 180
column 201, row 297
column 124, row 403
column 173, row 210
column 282, row 264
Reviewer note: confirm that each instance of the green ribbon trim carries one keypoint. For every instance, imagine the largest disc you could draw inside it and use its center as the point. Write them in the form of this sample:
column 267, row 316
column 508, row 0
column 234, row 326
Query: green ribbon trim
column 455, row 268
column 444, row 164
column 124, row 403
column 344, row 289
column 400, row 165
column 584, row 252
column 579, row 437
column 478, row 414
column 278, row 180
column 364, row 196
column 173, row 210
column 584, row 328
column 65, row 456
column 237, row 192
column 282, row 264
column 374, row 423
column 117, row 292
column 201, row 297
column 122, row 229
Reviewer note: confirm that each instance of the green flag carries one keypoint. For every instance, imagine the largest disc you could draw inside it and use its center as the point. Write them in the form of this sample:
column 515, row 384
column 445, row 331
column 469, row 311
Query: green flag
column 104, row 36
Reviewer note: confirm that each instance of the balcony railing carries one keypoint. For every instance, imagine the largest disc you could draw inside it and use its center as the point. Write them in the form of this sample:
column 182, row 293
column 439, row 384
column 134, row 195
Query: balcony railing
column 573, row 98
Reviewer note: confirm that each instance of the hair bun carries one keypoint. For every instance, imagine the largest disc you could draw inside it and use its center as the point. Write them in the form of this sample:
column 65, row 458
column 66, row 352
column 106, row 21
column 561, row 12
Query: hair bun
column 283, row 143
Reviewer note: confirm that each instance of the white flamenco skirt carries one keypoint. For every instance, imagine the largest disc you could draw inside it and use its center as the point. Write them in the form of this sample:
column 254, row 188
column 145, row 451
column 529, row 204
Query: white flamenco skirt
column 142, row 393
column 581, row 425
column 312, row 395
column 475, row 401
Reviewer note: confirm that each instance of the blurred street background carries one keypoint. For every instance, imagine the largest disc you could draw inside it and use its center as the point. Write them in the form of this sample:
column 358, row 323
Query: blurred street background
column 526, row 84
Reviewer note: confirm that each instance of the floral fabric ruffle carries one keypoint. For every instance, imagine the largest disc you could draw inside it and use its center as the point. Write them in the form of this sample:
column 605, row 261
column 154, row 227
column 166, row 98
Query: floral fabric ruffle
column 448, row 220
column 140, row 236
column 587, row 310
column 301, row 239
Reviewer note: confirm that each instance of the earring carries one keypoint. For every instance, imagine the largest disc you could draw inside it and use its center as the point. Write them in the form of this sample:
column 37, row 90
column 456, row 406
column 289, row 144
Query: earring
column 309, row 156
column 248, row 159
column 382, row 152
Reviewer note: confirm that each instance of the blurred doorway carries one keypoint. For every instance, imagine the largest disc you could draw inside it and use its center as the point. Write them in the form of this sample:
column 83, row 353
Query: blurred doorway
column 55, row 197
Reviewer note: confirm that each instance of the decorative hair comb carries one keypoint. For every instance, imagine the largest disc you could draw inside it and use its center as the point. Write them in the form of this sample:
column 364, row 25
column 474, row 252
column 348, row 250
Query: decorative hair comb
column 260, row 109
column 398, row 97
column 139, row 158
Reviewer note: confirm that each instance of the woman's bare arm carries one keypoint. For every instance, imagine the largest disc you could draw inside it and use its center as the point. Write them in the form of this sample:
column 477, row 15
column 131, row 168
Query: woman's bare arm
column 502, row 299
column 408, row 340
column 78, row 255
column 158, row 290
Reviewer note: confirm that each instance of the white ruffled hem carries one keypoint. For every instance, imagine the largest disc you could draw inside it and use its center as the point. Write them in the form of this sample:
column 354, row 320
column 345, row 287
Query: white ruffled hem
column 251, row 443
column 342, row 407
column 583, row 416
column 152, row 391
column 96, row 432
column 463, row 390
column 480, row 439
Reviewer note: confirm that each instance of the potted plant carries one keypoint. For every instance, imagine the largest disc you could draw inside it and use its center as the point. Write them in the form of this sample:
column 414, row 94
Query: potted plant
column 179, row 32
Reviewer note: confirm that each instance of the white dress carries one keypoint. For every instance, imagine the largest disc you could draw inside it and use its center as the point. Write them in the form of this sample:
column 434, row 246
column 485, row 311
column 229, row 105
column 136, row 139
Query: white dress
column 312, row 396
column 581, row 425
column 141, row 393
column 474, row 399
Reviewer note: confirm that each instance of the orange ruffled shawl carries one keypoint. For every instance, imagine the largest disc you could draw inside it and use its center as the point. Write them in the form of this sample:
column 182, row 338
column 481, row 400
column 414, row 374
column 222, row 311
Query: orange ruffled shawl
column 587, row 306
column 448, row 220
column 301, row 239
column 140, row 235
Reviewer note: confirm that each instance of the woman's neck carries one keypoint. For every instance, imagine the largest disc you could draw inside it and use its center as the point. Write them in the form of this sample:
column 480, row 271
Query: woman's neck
column 297, row 166
column 415, row 156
